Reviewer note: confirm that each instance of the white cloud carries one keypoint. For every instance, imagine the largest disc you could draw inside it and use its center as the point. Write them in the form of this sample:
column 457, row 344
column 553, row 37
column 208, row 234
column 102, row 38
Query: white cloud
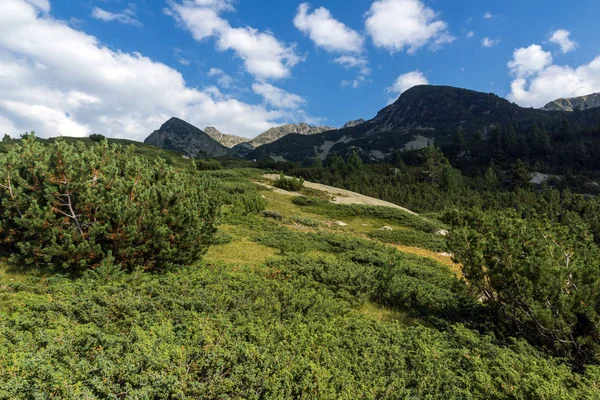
column 354, row 83
column 263, row 55
column 470, row 34
column 333, row 36
column 277, row 97
column 405, row 82
column 224, row 80
column 405, row 24
column 538, row 81
column 42, row 5
column 60, row 81
column 561, row 38
column 125, row 17
column 529, row 60
column 327, row 32
column 488, row 15
column 487, row 42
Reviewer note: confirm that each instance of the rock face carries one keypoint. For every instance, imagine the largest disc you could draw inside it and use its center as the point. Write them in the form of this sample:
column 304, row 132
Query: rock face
column 178, row 135
column 353, row 123
column 574, row 103
column 278, row 132
column 223, row 138
column 422, row 115
column 245, row 147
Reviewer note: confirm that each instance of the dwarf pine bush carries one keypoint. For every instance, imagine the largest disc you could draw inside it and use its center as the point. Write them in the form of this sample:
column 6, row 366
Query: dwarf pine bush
column 69, row 206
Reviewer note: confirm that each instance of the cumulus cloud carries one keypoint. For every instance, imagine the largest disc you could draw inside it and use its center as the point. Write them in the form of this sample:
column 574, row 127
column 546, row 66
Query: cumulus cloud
column 125, row 17
column 538, row 81
column 488, row 15
column 529, row 60
column 327, row 32
column 42, row 5
column 561, row 38
column 397, row 25
column 405, row 82
column 487, row 42
column 470, row 34
column 333, row 36
column 60, row 81
column 277, row 97
column 224, row 80
column 263, row 55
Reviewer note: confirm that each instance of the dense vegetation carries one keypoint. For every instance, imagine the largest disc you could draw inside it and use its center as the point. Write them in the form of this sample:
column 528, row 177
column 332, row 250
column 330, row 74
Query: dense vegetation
column 286, row 303
column 71, row 206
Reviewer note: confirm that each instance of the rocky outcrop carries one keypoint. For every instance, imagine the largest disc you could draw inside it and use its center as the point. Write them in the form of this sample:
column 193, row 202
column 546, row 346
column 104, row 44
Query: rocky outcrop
column 574, row 103
column 224, row 138
column 278, row 132
column 178, row 135
column 353, row 123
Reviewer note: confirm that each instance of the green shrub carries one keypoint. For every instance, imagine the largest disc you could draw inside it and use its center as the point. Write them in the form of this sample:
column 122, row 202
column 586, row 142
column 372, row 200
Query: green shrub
column 96, row 137
column 208, row 165
column 68, row 206
column 290, row 184
column 272, row 214
column 308, row 201
column 407, row 237
column 311, row 223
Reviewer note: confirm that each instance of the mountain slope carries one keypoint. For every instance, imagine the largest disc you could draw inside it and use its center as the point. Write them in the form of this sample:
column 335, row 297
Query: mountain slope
column 178, row 135
column 273, row 134
column 420, row 116
column 224, row 138
column 574, row 103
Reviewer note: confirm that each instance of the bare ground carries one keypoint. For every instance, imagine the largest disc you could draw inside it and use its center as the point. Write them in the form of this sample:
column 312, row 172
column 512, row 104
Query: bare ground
column 341, row 196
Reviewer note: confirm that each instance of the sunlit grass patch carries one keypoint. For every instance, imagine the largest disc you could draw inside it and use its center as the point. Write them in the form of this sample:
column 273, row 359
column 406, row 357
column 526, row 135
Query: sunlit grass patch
column 240, row 251
column 387, row 314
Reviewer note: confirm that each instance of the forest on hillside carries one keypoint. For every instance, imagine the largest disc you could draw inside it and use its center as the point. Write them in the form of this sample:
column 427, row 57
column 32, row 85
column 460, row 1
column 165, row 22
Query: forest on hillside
column 130, row 276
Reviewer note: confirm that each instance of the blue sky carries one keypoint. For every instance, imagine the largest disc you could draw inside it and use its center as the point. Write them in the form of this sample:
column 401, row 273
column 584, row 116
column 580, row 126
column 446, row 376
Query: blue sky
column 122, row 67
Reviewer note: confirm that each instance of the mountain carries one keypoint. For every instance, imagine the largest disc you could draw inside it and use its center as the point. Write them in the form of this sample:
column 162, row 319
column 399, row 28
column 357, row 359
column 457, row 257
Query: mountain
column 223, row 138
column 273, row 134
column 278, row 132
column 422, row 115
column 176, row 134
column 353, row 123
column 574, row 103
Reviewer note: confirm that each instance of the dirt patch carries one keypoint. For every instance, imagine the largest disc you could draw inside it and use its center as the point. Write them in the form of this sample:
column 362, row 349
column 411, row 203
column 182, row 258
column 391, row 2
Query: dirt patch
column 341, row 196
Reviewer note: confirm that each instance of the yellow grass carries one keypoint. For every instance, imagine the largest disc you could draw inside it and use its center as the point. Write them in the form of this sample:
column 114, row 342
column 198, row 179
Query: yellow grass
column 382, row 313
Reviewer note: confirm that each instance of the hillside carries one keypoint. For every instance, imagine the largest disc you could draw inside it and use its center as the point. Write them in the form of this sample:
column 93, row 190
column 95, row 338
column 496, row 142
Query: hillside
column 574, row 103
column 215, row 286
column 423, row 115
column 276, row 133
column 178, row 135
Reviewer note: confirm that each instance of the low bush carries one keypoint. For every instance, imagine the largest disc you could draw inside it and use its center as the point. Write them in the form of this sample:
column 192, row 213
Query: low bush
column 68, row 206
column 289, row 183
column 272, row 214
column 308, row 201
column 309, row 222
column 208, row 165
column 407, row 237
column 96, row 137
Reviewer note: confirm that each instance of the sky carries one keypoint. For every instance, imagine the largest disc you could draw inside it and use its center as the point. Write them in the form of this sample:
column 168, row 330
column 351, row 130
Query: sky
column 123, row 67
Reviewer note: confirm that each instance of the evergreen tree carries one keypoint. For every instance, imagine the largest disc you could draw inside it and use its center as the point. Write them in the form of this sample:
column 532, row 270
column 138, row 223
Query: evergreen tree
column 355, row 163
column 317, row 163
column 520, row 176
column 491, row 179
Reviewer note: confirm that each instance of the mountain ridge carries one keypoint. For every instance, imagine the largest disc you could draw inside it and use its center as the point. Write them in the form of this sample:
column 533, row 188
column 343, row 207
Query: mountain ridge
column 574, row 103
column 421, row 116
column 177, row 134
